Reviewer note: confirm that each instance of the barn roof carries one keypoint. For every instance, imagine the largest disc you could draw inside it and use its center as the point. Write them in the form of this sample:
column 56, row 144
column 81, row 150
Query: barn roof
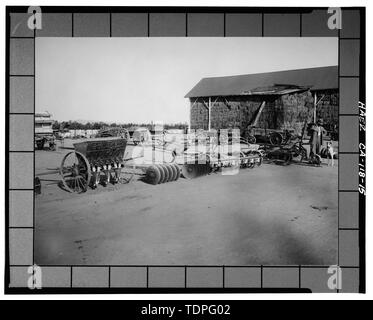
column 322, row 78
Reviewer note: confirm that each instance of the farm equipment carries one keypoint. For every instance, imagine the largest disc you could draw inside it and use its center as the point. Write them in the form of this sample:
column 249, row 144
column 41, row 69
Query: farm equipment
column 44, row 131
column 199, row 165
column 42, row 139
column 285, row 154
column 141, row 135
column 217, row 151
column 281, row 146
column 162, row 173
column 100, row 161
column 114, row 132
column 90, row 162
column 274, row 137
column 289, row 148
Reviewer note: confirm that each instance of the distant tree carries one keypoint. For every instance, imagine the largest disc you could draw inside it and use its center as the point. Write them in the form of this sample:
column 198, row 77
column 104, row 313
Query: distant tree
column 65, row 125
column 97, row 125
column 56, row 125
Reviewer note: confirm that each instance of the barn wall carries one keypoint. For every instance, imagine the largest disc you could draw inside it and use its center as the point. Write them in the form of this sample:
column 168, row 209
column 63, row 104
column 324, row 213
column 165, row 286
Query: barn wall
column 233, row 112
column 284, row 112
column 297, row 108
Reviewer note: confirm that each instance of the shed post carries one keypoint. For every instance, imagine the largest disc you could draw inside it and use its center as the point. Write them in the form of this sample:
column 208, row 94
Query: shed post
column 314, row 108
column 209, row 127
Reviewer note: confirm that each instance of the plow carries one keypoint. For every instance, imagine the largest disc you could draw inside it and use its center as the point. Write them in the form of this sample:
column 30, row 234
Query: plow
column 102, row 161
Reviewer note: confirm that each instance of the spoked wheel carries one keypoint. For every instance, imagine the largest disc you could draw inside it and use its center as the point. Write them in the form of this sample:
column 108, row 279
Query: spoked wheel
column 251, row 139
column 299, row 154
column 75, row 172
column 275, row 138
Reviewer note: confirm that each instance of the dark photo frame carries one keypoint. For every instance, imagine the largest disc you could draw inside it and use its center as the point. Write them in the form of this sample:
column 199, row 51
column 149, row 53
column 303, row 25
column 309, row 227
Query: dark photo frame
column 181, row 22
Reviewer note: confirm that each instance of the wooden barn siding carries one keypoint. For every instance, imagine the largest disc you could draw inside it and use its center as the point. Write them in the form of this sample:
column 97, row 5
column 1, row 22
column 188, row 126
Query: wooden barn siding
column 287, row 111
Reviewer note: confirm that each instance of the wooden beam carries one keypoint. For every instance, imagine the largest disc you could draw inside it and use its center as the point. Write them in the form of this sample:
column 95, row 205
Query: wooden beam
column 206, row 104
column 210, row 106
column 255, row 120
column 314, row 107
column 193, row 104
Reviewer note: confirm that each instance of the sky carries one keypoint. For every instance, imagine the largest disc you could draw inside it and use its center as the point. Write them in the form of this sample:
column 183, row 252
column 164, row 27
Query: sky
column 145, row 79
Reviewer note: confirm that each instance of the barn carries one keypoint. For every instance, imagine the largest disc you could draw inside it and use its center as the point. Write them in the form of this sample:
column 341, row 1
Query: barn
column 288, row 98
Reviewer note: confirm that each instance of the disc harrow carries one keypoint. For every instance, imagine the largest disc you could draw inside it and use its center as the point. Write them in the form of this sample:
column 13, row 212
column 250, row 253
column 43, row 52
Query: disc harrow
column 216, row 162
column 162, row 173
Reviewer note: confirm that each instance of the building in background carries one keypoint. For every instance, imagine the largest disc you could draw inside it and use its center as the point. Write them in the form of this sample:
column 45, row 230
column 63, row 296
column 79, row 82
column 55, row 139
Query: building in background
column 44, row 130
column 291, row 97
column 43, row 123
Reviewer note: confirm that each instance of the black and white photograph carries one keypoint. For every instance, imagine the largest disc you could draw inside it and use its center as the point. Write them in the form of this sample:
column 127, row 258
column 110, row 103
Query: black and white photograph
column 186, row 151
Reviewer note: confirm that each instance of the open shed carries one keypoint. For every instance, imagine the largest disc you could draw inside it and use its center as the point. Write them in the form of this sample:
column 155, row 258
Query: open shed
column 287, row 97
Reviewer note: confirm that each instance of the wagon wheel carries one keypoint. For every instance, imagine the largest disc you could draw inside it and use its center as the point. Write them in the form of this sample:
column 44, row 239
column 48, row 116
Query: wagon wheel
column 251, row 139
column 75, row 172
column 275, row 138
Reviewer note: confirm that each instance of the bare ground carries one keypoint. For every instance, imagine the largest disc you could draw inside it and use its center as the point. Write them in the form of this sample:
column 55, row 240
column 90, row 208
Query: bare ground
column 271, row 215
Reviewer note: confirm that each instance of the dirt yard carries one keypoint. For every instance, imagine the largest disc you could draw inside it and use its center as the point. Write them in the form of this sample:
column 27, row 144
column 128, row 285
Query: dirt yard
column 270, row 215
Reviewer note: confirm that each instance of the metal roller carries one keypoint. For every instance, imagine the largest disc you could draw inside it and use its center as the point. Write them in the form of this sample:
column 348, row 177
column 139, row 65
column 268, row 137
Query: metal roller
column 174, row 172
column 162, row 172
column 177, row 170
column 170, row 171
column 153, row 175
column 165, row 175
